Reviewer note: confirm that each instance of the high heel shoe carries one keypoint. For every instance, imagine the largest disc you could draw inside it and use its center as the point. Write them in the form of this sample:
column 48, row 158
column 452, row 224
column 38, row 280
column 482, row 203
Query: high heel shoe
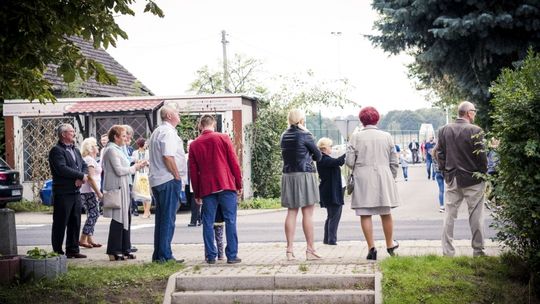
column 372, row 254
column 115, row 257
column 391, row 249
column 129, row 256
column 290, row 256
column 312, row 255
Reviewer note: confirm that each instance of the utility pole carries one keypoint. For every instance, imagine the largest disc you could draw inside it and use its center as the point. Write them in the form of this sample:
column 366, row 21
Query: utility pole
column 225, row 70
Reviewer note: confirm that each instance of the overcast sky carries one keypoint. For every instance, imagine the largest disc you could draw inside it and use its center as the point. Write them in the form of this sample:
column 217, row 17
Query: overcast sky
column 289, row 37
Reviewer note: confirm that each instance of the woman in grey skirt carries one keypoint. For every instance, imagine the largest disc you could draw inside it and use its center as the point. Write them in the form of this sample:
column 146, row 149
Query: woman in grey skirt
column 372, row 156
column 299, row 186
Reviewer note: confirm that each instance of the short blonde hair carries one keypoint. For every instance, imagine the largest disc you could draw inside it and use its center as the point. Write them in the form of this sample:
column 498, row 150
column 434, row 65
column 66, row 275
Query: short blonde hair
column 324, row 142
column 296, row 116
column 87, row 145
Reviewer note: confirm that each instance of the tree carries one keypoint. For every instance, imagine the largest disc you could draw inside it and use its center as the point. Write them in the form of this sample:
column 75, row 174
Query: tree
column 517, row 186
column 459, row 47
column 242, row 78
column 34, row 34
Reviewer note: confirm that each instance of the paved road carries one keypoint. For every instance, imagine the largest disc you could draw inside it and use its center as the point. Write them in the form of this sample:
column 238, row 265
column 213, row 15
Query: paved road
column 416, row 219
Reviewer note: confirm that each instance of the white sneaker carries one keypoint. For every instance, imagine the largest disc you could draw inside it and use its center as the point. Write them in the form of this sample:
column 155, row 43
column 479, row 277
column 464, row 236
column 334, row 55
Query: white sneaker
column 441, row 209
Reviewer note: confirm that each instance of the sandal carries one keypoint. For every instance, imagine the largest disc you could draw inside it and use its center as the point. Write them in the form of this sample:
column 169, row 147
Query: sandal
column 97, row 245
column 86, row 245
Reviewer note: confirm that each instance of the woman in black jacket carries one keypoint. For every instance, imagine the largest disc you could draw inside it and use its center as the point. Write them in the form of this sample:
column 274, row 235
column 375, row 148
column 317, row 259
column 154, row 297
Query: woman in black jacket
column 330, row 189
column 299, row 181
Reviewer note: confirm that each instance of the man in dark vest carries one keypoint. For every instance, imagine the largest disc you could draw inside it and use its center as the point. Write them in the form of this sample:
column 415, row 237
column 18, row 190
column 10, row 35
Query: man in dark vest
column 69, row 172
column 460, row 153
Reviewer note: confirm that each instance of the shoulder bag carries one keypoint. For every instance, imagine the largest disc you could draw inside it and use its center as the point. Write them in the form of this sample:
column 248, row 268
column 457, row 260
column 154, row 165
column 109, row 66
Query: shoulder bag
column 112, row 199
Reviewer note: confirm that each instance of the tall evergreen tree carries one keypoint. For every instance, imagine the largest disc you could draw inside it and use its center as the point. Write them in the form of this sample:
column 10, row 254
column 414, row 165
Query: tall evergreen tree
column 459, row 46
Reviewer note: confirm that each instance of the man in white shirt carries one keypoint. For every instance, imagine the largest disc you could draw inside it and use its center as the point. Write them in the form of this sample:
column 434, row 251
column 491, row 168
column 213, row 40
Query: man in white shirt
column 167, row 167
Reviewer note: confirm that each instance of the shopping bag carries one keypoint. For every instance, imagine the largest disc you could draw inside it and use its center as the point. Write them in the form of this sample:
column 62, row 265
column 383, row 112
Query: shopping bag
column 141, row 187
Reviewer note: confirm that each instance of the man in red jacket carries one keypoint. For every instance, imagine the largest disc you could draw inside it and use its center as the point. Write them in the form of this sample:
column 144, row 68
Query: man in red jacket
column 216, row 180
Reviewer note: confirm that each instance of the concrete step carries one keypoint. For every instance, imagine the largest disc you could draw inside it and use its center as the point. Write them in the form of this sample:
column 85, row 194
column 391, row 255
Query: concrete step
column 278, row 296
column 277, row 281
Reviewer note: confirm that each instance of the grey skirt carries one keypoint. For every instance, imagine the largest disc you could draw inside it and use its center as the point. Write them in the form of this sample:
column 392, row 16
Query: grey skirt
column 299, row 189
column 373, row 211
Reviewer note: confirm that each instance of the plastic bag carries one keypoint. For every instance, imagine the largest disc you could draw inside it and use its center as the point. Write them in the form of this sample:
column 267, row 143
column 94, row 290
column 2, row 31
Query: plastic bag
column 141, row 187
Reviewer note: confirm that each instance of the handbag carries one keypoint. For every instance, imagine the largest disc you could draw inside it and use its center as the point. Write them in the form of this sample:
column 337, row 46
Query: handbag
column 350, row 180
column 112, row 199
column 350, row 184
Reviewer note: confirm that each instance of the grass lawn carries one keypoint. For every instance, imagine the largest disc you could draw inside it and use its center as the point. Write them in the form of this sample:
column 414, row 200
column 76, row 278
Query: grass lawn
column 436, row 279
column 121, row 284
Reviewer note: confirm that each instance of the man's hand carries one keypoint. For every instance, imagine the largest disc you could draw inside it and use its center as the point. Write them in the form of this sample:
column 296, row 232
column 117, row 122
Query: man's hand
column 79, row 183
column 239, row 193
column 198, row 201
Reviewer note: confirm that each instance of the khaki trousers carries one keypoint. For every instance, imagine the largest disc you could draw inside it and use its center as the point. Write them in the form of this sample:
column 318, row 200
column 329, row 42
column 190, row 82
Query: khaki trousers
column 474, row 196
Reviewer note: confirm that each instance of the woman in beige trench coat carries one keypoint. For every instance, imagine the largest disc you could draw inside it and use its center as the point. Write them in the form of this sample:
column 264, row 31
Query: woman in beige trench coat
column 372, row 156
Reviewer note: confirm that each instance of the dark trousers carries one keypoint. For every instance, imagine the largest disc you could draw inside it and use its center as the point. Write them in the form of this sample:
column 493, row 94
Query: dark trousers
column 415, row 156
column 119, row 241
column 195, row 209
column 66, row 214
column 331, row 224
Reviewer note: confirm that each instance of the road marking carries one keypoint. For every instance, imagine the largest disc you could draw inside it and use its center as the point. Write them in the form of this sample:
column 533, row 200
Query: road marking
column 30, row 226
column 136, row 227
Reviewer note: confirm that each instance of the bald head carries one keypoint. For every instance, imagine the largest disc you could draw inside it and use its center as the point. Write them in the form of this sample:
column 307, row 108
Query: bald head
column 465, row 107
column 170, row 115
column 466, row 110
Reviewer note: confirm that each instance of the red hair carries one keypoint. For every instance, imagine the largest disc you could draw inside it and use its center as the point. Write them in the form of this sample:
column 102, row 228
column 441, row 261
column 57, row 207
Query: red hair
column 369, row 116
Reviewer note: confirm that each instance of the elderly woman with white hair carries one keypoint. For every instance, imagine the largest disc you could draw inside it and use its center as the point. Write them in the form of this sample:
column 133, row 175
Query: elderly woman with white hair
column 330, row 189
column 299, row 181
column 90, row 191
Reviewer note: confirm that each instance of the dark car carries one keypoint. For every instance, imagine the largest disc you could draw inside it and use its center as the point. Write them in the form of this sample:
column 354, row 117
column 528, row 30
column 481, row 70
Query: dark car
column 10, row 187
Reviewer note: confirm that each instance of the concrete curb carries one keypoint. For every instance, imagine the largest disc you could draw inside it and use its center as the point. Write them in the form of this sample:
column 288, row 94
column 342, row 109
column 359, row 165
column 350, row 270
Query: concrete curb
column 378, row 288
column 171, row 288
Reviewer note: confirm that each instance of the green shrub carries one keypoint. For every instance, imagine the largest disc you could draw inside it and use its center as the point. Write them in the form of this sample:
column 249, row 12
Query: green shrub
column 516, row 119
column 28, row 206
column 261, row 203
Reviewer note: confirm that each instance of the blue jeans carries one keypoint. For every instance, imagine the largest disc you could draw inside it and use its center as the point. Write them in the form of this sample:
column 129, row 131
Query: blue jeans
column 405, row 172
column 167, row 197
column 227, row 200
column 429, row 168
column 440, row 183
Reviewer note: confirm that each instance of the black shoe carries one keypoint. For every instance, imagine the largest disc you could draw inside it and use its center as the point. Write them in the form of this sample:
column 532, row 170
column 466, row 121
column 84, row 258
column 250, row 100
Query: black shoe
column 211, row 261
column 235, row 261
column 391, row 249
column 75, row 256
column 133, row 249
column 191, row 225
column 332, row 243
column 372, row 255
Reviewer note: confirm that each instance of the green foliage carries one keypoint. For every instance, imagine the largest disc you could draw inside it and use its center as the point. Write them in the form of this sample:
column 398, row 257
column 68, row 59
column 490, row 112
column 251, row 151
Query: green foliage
column 40, row 254
column 411, row 120
column 459, row 47
column 261, row 203
column 187, row 128
column 134, row 283
column 36, row 33
column 434, row 279
column 28, row 206
column 516, row 119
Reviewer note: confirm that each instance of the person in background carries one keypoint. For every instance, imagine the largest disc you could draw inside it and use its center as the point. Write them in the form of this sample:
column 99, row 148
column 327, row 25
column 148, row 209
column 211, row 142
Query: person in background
column 461, row 155
column 141, row 154
column 167, row 168
column 104, row 140
column 423, row 150
column 69, row 173
column 372, row 156
column 128, row 150
column 330, row 189
column 413, row 146
column 439, row 177
column 194, row 207
column 299, row 181
column 404, row 164
column 217, row 181
column 90, row 191
column 118, row 170
column 429, row 159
